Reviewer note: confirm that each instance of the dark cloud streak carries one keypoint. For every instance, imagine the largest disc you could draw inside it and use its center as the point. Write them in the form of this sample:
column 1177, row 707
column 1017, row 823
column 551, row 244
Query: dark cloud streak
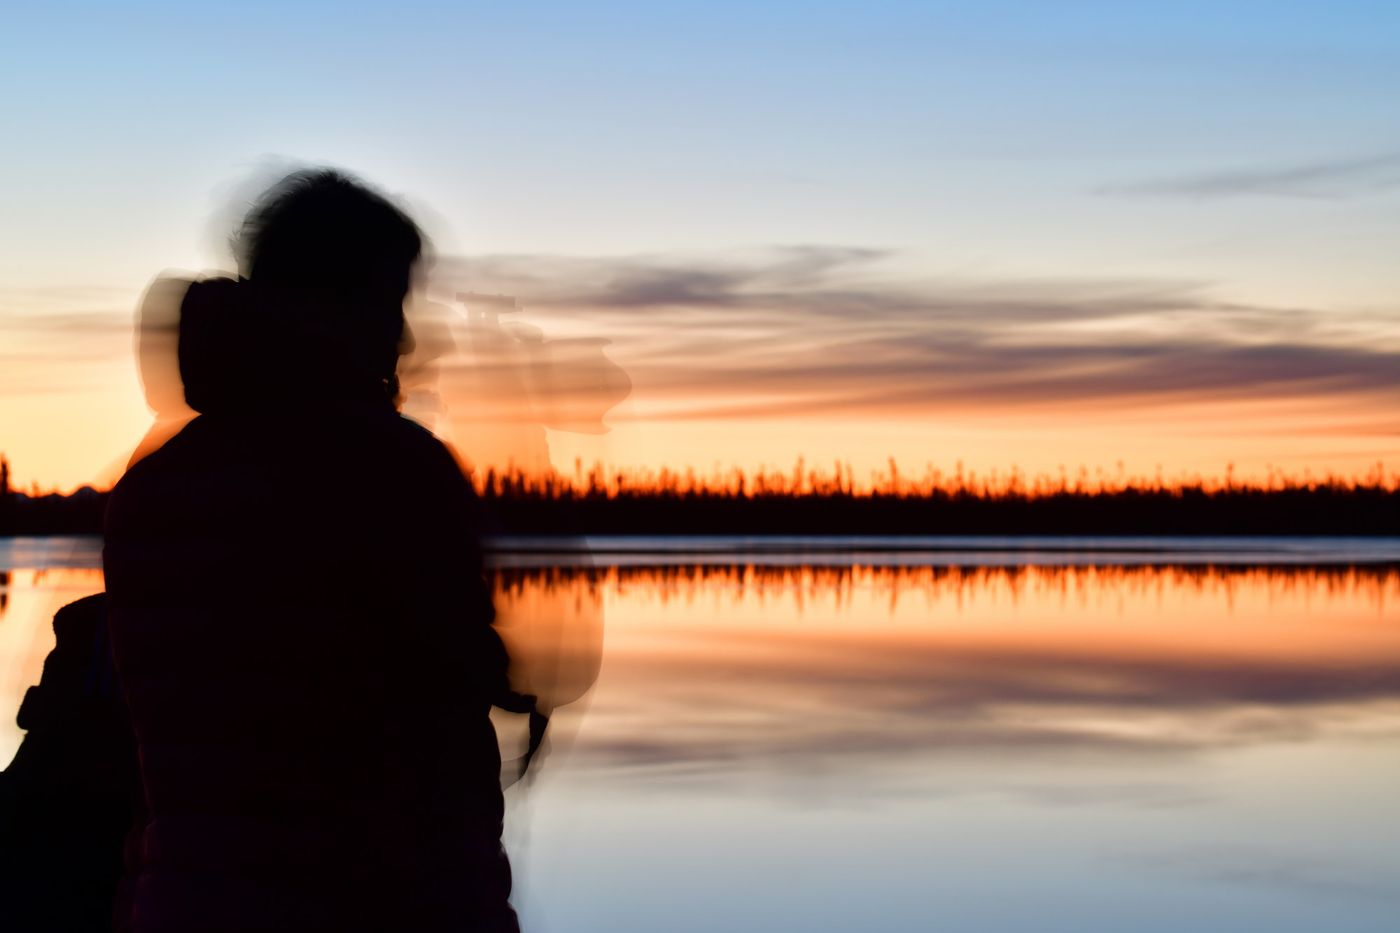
column 1334, row 179
column 822, row 329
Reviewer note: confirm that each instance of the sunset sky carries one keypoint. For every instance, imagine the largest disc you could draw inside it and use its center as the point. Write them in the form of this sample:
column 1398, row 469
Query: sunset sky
column 1007, row 234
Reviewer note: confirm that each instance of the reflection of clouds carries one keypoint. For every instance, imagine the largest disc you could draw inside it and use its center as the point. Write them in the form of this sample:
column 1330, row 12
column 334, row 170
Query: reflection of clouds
column 1258, row 867
column 821, row 329
column 692, row 703
column 796, row 702
column 1084, row 792
column 51, row 552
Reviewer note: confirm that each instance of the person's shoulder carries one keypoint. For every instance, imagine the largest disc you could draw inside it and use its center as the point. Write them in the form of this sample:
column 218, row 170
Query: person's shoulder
column 409, row 436
column 149, row 482
column 421, row 449
column 154, row 468
column 412, row 432
column 429, row 487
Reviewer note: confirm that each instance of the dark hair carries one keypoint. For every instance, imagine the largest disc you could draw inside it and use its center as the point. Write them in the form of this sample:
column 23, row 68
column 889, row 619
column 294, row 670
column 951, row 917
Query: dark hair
column 322, row 230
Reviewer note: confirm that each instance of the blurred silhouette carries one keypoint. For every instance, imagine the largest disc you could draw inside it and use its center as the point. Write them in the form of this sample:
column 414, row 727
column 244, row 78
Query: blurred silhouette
column 497, row 385
column 315, row 742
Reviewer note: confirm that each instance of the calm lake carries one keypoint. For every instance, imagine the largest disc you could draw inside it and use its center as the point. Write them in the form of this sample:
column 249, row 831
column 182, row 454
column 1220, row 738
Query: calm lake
column 929, row 734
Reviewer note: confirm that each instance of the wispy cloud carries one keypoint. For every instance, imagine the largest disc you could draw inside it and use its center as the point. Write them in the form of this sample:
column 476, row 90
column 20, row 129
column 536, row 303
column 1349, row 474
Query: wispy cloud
column 1338, row 178
column 60, row 340
column 839, row 330
column 818, row 330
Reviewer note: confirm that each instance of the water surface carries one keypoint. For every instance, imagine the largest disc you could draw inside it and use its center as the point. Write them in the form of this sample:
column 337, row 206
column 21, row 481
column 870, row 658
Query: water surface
column 1018, row 735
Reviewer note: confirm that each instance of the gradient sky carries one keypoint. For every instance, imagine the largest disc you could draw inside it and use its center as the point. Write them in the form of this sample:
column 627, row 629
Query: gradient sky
column 1023, row 234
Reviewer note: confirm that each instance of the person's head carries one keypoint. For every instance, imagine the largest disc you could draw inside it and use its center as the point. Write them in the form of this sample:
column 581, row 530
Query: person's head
column 318, row 314
column 321, row 231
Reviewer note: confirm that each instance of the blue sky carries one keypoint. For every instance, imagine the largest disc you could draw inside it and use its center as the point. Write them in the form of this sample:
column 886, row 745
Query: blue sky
column 947, row 128
column 1247, row 150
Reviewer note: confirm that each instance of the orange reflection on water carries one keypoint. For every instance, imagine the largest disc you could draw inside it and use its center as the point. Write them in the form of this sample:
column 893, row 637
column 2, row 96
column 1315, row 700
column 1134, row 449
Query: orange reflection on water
column 1180, row 604
column 723, row 669
column 28, row 601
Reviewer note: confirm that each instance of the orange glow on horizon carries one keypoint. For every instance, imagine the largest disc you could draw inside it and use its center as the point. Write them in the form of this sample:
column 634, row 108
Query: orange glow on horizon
column 71, row 414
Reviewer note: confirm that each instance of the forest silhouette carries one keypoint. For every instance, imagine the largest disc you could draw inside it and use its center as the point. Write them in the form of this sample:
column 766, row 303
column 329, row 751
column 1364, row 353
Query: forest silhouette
column 805, row 501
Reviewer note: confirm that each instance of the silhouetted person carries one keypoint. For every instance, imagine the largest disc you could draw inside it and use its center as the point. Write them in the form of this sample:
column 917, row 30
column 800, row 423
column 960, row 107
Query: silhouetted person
column 297, row 610
column 71, row 798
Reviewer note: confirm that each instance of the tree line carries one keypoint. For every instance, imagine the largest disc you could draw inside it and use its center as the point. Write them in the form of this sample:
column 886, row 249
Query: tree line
column 808, row 502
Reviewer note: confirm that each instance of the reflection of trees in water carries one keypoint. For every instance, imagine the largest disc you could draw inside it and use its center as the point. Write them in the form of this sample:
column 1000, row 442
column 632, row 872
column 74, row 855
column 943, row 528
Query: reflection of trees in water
column 1374, row 585
column 1129, row 679
column 554, row 635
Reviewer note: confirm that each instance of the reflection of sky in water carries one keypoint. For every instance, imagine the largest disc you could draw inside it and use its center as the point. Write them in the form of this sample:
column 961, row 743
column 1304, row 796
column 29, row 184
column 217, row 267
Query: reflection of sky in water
column 974, row 748
column 977, row 748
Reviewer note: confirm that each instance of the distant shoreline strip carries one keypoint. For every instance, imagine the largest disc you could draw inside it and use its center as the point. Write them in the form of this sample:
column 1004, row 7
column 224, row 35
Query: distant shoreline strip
column 517, row 551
